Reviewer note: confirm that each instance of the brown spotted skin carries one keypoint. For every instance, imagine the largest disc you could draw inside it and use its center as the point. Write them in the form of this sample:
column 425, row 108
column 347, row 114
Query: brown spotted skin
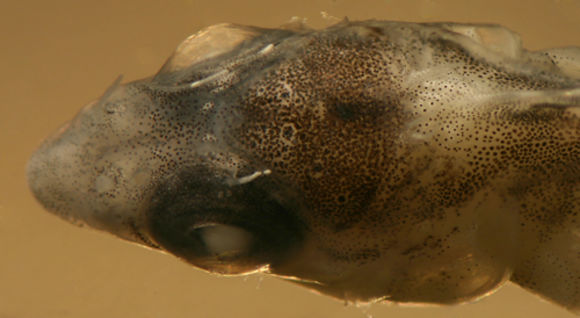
column 414, row 163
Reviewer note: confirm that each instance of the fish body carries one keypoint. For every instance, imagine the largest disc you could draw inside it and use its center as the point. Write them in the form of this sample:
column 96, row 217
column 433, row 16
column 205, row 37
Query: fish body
column 411, row 163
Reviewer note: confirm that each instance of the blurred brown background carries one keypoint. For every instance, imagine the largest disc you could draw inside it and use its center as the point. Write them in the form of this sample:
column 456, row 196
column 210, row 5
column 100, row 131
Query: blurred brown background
column 55, row 56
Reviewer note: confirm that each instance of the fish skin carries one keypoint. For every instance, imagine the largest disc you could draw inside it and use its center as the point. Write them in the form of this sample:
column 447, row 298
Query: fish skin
column 371, row 161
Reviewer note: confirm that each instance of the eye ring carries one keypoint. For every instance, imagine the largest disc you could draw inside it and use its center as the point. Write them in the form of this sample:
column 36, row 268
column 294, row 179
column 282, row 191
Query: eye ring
column 256, row 225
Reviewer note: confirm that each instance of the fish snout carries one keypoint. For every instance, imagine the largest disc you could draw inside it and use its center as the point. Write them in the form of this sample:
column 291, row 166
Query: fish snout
column 92, row 170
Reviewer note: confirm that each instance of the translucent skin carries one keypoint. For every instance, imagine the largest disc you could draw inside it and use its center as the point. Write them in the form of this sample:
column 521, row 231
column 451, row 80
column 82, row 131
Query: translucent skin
column 370, row 161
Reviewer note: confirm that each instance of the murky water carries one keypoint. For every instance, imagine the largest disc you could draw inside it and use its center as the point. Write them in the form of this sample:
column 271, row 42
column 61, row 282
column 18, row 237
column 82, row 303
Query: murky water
column 58, row 55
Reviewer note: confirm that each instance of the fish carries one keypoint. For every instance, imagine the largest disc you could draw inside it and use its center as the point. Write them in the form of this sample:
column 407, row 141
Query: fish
column 370, row 161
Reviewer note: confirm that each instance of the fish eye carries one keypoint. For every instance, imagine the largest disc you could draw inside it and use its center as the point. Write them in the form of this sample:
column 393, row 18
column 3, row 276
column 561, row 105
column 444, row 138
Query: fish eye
column 222, row 240
column 224, row 228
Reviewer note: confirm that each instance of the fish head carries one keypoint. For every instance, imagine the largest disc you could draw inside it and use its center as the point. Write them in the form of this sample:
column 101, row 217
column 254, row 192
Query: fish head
column 331, row 158
column 152, row 161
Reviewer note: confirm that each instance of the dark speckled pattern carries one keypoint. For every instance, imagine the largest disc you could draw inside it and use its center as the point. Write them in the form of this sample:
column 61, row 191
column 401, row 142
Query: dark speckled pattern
column 371, row 160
